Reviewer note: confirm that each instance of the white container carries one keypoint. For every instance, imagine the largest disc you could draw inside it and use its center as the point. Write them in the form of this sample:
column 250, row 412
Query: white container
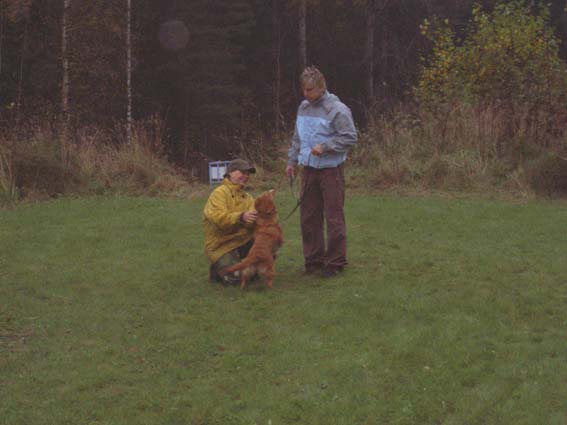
column 217, row 170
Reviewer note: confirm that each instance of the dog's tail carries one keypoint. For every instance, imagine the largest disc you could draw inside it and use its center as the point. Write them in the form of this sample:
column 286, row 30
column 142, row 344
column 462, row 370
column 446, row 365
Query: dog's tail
column 248, row 261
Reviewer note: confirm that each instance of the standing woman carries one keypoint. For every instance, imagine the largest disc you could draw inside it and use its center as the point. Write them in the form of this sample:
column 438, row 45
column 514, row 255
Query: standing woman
column 324, row 133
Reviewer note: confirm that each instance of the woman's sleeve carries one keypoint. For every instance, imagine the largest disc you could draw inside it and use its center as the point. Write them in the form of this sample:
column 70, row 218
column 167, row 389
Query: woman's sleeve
column 217, row 211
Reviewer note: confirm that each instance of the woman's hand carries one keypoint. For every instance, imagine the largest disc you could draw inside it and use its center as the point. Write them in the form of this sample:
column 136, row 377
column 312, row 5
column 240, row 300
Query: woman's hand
column 290, row 171
column 317, row 150
column 249, row 217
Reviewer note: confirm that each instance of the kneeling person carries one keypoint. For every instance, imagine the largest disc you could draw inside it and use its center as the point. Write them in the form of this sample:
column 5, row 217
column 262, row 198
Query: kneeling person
column 228, row 221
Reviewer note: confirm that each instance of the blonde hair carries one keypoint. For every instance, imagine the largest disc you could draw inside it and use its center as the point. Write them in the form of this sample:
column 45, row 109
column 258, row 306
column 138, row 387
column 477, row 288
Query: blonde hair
column 312, row 76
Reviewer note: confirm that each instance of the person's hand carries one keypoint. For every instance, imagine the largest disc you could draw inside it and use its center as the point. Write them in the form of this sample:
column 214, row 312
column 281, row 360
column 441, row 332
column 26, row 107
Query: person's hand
column 290, row 171
column 317, row 150
column 250, row 217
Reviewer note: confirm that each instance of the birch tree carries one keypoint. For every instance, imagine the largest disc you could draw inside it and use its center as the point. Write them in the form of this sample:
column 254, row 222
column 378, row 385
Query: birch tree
column 373, row 9
column 129, row 71
column 276, row 57
column 369, row 50
column 65, row 69
column 2, row 19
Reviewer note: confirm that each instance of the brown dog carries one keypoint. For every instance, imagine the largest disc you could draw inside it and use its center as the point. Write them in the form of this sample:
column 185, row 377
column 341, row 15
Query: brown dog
column 268, row 238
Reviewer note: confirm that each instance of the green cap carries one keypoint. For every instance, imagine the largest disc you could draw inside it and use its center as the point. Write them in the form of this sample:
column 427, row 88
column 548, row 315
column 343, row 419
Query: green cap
column 240, row 165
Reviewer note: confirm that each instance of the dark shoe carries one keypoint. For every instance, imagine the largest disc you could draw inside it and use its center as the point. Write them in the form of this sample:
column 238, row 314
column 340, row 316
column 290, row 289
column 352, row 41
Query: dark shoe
column 230, row 280
column 213, row 276
column 329, row 272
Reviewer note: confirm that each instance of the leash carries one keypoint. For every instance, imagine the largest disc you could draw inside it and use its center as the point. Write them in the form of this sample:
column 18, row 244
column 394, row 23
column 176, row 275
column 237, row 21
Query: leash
column 299, row 200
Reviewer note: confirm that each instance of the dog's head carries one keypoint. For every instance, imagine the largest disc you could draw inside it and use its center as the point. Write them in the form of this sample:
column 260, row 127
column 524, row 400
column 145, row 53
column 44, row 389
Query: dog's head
column 265, row 205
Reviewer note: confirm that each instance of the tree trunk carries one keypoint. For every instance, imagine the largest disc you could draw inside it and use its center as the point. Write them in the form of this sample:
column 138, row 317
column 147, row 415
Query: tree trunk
column 21, row 74
column 185, row 138
column 129, row 71
column 1, row 34
column 65, row 66
column 301, row 35
column 276, row 51
column 369, row 51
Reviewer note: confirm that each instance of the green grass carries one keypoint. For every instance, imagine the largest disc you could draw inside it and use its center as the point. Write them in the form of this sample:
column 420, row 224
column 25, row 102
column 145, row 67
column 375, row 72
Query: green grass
column 450, row 312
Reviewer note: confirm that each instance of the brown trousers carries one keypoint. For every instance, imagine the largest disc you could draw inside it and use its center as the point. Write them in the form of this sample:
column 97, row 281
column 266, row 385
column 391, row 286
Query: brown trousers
column 323, row 198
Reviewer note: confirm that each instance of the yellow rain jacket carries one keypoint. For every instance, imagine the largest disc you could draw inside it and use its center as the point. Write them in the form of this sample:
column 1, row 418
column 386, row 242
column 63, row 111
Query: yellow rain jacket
column 224, row 231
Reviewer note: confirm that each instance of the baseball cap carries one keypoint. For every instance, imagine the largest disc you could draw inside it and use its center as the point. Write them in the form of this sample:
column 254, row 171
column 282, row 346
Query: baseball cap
column 241, row 165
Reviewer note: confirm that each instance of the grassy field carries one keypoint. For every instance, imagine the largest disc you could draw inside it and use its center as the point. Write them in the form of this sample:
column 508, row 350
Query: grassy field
column 452, row 311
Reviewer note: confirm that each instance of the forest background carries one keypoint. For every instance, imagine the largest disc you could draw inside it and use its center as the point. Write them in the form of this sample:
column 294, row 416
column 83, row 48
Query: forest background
column 137, row 96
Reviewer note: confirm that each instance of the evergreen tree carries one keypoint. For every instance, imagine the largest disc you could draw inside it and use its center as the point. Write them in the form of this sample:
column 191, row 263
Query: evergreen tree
column 207, row 74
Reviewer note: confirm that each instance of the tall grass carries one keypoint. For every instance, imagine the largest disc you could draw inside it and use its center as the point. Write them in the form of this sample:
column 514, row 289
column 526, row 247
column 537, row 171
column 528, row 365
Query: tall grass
column 36, row 162
column 8, row 191
column 464, row 149
column 455, row 148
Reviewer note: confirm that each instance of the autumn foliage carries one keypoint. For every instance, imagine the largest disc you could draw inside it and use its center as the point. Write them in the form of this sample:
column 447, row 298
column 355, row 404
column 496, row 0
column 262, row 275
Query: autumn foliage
column 505, row 68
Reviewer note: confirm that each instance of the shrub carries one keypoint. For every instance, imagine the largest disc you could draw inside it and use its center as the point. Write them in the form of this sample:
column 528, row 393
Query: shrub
column 39, row 169
column 548, row 175
column 506, row 65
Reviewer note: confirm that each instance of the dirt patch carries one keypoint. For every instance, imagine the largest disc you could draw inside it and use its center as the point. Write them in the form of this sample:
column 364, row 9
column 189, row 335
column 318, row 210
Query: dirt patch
column 12, row 340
